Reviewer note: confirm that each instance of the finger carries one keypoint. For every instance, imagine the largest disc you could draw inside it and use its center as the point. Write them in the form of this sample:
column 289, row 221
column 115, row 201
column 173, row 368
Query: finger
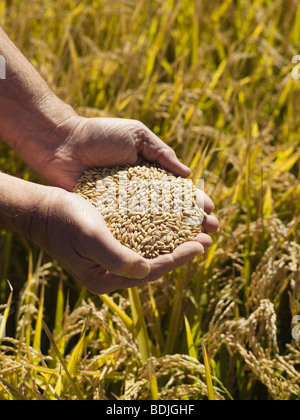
column 205, row 240
column 164, row 264
column 153, row 149
column 105, row 250
column 122, row 261
column 204, row 201
column 101, row 282
column 168, row 159
column 160, row 266
column 211, row 224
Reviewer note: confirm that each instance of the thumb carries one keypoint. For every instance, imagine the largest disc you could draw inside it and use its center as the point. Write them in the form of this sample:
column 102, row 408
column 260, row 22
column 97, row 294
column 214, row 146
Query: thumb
column 129, row 264
column 116, row 258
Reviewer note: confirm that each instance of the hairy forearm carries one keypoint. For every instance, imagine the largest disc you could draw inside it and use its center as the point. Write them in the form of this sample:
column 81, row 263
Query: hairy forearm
column 31, row 115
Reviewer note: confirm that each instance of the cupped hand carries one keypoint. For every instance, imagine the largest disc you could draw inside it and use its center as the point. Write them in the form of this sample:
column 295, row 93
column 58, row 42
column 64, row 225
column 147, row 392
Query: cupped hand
column 71, row 230
column 105, row 142
column 79, row 238
column 108, row 142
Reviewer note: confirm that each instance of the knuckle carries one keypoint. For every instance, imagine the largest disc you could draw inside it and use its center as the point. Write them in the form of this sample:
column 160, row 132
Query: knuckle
column 166, row 151
column 138, row 130
column 139, row 125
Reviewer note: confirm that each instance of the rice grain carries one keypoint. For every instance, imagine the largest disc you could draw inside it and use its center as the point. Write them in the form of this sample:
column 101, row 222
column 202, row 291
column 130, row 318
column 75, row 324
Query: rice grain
column 147, row 208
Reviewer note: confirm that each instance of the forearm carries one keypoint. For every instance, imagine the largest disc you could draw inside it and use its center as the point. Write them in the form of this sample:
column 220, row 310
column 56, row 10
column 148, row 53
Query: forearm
column 21, row 205
column 31, row 115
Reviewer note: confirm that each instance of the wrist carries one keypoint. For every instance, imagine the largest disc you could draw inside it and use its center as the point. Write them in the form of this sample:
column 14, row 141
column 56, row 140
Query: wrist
column 36, row 130
column 22, row 207
column 30, row 113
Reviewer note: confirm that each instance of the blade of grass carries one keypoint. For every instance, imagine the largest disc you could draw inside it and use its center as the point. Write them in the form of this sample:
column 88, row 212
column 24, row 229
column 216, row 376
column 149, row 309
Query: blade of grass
column 190, row 342
column 28, row 297
column 13, row 390
column 78, row 350
column 158, row 329
column 176, row 313
column 6, row 313
column 115, row 308
column 59, row 313
column 153, row 381
column 39, row 327
column 58, row 385
column 140, row 328
column 6, row 263
column 63, row 363
column 56, row 396
column 248, row 170
column 210, row 388
column 195, row 33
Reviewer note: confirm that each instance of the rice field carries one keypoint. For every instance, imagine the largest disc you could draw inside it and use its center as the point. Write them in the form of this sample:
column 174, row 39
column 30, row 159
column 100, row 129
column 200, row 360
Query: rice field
column 215, row 80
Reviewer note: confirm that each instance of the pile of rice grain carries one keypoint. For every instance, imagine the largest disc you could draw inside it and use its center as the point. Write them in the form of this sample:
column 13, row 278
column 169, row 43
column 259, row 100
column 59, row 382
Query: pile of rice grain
column 147, row 208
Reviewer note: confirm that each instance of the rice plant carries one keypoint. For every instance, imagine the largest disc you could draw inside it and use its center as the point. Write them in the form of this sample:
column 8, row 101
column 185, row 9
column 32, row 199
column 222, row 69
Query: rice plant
column 214, row 79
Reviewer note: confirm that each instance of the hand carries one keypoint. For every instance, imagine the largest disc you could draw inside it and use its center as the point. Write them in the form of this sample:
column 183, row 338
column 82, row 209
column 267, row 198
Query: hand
column 71, row 230
column 77, row 235
column 107, row 142
column 104, row 142
column 60, row 145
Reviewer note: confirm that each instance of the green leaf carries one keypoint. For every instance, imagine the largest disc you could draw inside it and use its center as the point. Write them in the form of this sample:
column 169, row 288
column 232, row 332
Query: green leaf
column 190, row 342
column 210, row 388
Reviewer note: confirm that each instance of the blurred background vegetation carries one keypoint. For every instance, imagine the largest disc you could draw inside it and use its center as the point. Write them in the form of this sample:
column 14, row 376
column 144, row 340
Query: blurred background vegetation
column 214, row 80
